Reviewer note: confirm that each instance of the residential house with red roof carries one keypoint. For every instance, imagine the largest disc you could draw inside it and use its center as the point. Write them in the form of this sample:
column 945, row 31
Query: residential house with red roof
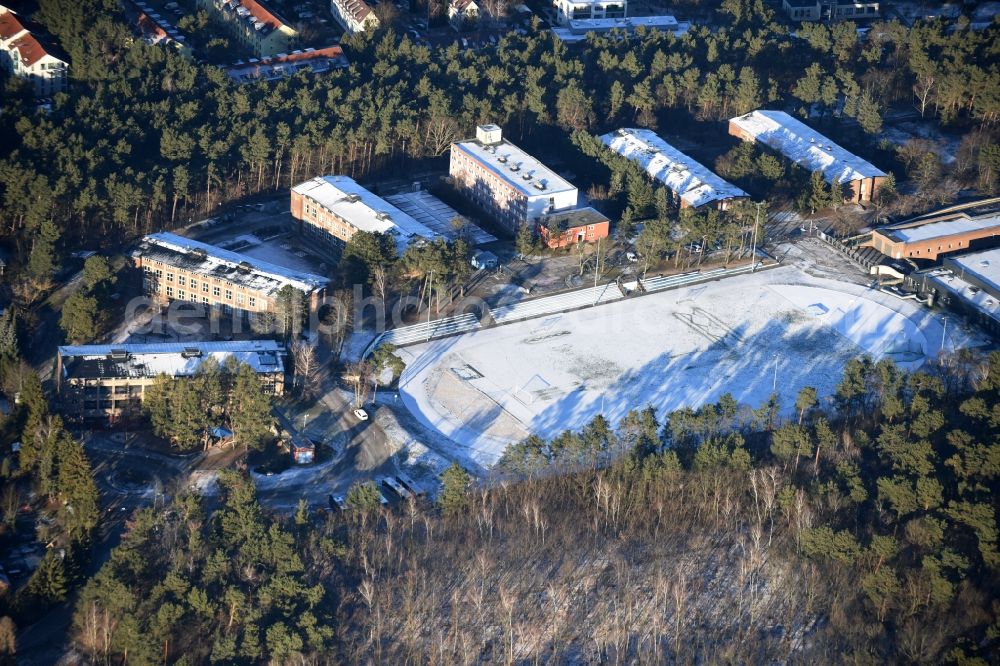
column 255, row 26
column 24, row 56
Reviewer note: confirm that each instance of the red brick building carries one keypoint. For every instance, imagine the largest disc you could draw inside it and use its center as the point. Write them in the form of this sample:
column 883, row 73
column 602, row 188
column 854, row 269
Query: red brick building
column 943, row 232
column 583, row 225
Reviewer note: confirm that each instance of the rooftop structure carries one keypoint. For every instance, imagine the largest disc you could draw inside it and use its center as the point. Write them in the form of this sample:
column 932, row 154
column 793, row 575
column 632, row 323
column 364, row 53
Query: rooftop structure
column 576, row 30
column 24, row 56
column 951, row 230
column 338, row 206
column 511, row 184
column 438, row 216
column 211, row 261
column 280, row 66
column 810, row 150
column 693, row 184
column 354, row 16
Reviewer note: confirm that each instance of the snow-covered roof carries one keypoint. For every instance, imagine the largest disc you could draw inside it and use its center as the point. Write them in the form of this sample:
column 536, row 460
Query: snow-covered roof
column 805, row 146
column 952, row 227
column 349, row 201
column 985, row 266
column 212, row 261
column 980, row 299
column 517, row 167
column 693, row 183
column 176, row 359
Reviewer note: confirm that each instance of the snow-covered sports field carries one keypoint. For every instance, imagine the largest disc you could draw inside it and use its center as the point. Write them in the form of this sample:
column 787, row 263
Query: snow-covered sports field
column 780, row 329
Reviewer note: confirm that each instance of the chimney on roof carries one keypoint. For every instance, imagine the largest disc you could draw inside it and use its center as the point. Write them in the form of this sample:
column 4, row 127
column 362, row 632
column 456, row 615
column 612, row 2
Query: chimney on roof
column 489, row 134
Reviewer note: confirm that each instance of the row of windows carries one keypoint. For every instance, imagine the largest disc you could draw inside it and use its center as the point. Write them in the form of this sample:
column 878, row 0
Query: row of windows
column 181, row 279
column 216, row 292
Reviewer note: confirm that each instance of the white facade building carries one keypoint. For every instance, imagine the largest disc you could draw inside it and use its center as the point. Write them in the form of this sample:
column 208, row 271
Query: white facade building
column 576, row 30
column 23, row 56
column 506, row 182
column 568, row 10
column 693, row 184
column 354, row 16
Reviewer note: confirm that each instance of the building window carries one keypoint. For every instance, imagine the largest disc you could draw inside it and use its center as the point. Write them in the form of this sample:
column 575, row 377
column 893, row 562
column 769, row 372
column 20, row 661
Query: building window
column 194, row 284
column 239, row 299
column 204, row 299
column 180, row 294
column 216, row 291
column 229, row 294
column 170, row 292
column 181, row 280
column 253, row 302
column 204, row 287
column 170, row 277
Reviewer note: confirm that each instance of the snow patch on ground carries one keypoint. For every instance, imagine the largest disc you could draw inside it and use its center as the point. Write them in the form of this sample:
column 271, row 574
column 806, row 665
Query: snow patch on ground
column 778, row 330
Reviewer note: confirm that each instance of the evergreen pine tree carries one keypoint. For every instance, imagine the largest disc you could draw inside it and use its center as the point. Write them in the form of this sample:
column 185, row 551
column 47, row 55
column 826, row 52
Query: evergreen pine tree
column 454, row 486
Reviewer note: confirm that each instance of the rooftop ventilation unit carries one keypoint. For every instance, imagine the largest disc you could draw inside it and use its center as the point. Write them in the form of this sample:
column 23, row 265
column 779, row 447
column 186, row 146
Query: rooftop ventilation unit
column 515, row 167
column 352, row 198
column 118, row 354
column 384, row 216
column 489, row 134
column 191, row 352
column 245, row 266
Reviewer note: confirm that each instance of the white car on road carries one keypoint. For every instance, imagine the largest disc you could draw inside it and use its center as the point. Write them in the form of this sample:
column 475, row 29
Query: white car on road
column 361, row 414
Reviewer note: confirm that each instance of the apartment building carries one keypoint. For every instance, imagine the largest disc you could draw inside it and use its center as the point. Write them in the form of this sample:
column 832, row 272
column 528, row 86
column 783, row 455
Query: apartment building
column 576, row 30
column 814, row 10
column 354, row 16
column 569, row 10
column 24, row 56
column 180, row 269
column 692, row 184
column 331, row 209
column 812, row 151
column 108, row 382
column 510, row 185
column 955, row 229
column 258, row 28
column 316, row 61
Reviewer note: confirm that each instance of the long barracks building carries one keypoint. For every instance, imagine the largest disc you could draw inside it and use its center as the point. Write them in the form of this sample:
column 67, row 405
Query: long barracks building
column 692, row 184
column 812, row 151
column 331, row 209
column 180, row 269
column 108, row 382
